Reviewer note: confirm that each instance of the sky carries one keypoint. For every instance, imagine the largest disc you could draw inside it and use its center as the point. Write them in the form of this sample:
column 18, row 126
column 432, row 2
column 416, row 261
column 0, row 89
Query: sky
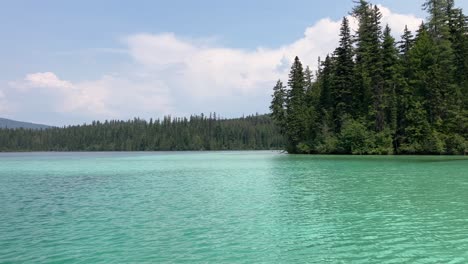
column 71, row 62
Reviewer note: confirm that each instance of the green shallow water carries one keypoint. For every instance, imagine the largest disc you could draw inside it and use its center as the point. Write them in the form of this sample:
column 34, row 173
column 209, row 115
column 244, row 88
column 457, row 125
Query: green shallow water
column 232, row 207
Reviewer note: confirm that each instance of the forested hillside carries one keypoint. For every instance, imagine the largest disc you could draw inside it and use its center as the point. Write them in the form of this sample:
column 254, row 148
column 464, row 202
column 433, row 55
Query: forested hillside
column 8, row 123
column 376, row 95
column 194, row 133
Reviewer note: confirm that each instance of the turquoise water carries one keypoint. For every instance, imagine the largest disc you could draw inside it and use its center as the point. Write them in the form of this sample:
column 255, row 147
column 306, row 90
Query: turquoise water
column 232, row 207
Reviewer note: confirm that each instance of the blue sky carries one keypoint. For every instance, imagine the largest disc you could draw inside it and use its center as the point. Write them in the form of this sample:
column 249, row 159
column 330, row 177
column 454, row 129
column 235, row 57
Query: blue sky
column 67, row 62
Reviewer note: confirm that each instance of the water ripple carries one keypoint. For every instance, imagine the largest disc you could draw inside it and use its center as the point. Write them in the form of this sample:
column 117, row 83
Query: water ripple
column 232, row 207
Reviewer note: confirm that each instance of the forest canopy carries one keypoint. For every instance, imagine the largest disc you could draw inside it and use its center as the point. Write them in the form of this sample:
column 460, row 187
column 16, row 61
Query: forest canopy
column 199, row 132
column 376, row 95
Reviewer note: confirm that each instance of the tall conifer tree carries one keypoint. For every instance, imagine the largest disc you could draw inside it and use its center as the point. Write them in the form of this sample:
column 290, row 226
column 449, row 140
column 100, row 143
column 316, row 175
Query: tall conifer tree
column 277, row 106
column 392, row 79
column 344, row 76
column 296, row 110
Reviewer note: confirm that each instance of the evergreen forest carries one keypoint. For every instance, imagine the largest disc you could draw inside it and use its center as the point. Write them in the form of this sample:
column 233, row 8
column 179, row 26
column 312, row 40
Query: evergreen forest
column 195, row 133
column 377, row 95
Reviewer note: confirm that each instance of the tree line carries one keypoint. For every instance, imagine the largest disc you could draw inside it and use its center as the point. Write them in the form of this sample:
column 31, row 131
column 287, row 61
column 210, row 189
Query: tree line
column 197, row 132
column 374, row 95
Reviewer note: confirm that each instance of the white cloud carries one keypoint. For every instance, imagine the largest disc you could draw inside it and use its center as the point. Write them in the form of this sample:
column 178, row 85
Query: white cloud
column 397, row 22
column 203, row 71
column 41, row 80
column 108, row 97
column 46, row 80
column 178, row 75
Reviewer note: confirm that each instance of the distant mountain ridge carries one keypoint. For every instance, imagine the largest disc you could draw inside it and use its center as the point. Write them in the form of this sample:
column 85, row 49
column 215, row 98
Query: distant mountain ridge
column 8, row 123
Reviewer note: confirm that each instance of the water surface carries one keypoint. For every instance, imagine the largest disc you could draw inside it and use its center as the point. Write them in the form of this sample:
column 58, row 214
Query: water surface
column 232, row 207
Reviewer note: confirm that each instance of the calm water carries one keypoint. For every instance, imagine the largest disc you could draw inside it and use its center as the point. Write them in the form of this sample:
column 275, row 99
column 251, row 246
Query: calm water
column 236, row 207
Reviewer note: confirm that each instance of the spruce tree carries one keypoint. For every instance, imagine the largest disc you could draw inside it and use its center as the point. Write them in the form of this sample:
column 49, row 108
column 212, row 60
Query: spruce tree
column 406, row 42
column 404, row 46
column 369, row 80
column 277, row 106
column 344, row 76
column 308, row 77
column 377, row 112
column 326, row 101
column 438, row 20
column 442, row 92
column 362, row 80
column 458, row 26
column 404, row 91
column 296, row 110
column 311, row 101
column 392, row 79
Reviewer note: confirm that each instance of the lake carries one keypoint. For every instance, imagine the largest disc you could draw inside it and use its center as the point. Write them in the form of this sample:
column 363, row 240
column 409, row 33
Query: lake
column 232, row 207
